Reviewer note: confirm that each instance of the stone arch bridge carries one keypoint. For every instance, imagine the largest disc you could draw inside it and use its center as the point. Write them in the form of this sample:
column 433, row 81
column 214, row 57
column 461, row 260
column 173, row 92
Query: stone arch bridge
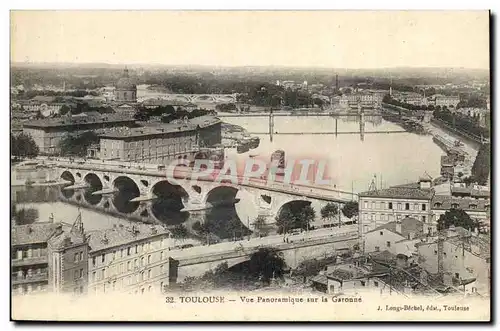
column 144, row 191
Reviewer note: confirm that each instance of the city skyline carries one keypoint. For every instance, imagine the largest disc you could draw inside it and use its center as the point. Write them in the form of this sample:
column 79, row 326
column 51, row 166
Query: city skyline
column 354, row 40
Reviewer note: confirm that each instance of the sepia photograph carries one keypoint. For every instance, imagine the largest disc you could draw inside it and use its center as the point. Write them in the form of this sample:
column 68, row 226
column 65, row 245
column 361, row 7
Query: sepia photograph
column 250, row 165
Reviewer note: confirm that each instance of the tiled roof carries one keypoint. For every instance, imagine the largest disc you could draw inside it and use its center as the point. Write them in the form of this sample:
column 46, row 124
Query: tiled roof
column 321, row 279
column 445, row 202
column 409, row 225
column 117, row 236
column 411, row 191
column 340, row 274
column 162, row 128
column 73, row 120
column 38, row 232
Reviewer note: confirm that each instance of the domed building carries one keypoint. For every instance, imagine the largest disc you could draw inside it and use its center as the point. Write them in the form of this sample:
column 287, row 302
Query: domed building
column 125, row 89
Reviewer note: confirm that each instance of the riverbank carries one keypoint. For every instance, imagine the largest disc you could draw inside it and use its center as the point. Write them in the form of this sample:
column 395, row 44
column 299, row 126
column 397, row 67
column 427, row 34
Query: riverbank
column 470, row 148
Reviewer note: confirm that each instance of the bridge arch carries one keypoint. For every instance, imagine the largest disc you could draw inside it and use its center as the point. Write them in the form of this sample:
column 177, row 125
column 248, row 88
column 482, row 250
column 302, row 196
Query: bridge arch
column 293, row 206
column 127, row 190
column 94, row 184
column 170, row 198
column 67, row 176
column 225, row 193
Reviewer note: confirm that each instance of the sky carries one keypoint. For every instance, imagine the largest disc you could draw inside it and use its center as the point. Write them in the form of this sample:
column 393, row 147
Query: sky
column 332, row 39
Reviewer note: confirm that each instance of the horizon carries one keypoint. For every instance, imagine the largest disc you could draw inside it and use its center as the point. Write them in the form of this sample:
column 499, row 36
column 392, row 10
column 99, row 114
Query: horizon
column 290, row 39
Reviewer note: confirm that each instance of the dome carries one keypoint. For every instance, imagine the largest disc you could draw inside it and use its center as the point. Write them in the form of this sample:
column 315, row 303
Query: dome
column 125, row 82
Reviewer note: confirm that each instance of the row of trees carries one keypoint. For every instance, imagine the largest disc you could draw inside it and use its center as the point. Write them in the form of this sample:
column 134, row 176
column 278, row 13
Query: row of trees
column 301, row 217
column 167, row 113
column 22, row 146
column 482, row 165
column 461, row 122
column 77, row 144
column 263, row 266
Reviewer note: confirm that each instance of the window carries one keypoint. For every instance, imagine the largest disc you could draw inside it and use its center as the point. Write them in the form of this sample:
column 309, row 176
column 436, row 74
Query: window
column 423, row 219
column 149, row 259
column 129, row 265
column 437, row 204
column 399, row 206
column 93, row 261
column 149, row 274
column 388, row 244
column 161, row 255
column 81, row 256
column 142, row 261
column 366, row 204
column 136, row 247
column 76, row 257
column 381, row 233
column 390, row 205
column 136, row 263
column 129, row 251
column 161, row 287
column 407, row 206
column 81, row 273
column 121, row 268
column 103, row 258
column 77, row 274
column 444, row 253
column 454, row 205
column 457, row 275
column 375, row 284
column 435, row 252
column 93, row 276
column 424, row 206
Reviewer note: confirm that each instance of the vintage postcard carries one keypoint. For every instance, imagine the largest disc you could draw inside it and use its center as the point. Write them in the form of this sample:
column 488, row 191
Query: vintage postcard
column 250, row 166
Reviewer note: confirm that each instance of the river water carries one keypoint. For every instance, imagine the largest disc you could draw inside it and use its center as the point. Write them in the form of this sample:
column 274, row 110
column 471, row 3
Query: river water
column 395, row 158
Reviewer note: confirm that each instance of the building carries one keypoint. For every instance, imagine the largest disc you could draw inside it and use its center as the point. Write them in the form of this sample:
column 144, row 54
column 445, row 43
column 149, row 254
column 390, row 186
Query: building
column 29, row 256
column 380, row 206
column 64, row 258
column 477, row 209
column 161, row 143
column 68, row 253
column 460, row 258
column 397, row 237
column 48, row 133
column 365, row 100
column 444, row 100
column 125, row 89
column 131, row 259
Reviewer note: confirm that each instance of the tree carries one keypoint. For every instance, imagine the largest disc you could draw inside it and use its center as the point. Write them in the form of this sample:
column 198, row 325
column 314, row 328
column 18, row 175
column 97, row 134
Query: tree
column 64, row 110
column 23, row 145
column 77, row 144
column 481, row 167
column 309, row 268
column 285, row 221
column 306, row 216
column 24, row 215
column 329, row 211
column 261, row 226
column 267, row 263
column 456, row 217
column 350, row 209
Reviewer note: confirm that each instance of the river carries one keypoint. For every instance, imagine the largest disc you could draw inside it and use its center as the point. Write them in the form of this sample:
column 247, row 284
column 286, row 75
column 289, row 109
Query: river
column 395, row 158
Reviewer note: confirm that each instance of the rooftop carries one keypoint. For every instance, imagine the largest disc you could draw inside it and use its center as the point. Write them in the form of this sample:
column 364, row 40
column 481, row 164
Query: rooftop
column 151, row 129
column 412, row 191
column 38, row 232
column 409, row 225
column 121, row 235
column 73, row 120
column 445, row 202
